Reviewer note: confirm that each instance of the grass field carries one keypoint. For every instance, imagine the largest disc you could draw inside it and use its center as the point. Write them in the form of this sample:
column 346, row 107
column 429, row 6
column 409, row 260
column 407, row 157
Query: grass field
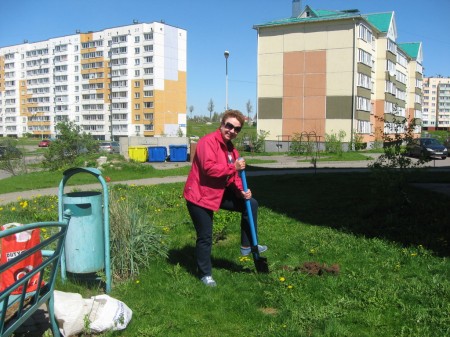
column 390, row 275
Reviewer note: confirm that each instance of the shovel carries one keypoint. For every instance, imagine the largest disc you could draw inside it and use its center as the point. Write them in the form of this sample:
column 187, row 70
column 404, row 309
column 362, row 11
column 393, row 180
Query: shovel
column 260, row 262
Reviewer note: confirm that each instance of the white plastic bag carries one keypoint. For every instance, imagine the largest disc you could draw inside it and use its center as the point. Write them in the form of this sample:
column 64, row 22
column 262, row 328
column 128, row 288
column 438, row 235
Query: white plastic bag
column 103, row 312
column 111, row 314
column 70, row 310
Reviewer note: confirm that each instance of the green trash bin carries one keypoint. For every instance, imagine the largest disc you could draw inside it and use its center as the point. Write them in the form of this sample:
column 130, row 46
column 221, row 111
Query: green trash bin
column 86, row 248
column 85, row 245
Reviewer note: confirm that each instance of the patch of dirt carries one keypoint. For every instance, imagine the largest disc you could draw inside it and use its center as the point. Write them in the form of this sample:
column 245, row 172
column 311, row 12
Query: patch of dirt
column 315, row 268
column 269, row 311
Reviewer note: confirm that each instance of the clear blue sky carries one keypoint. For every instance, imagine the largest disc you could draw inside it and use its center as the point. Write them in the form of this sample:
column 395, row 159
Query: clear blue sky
column 215, row 26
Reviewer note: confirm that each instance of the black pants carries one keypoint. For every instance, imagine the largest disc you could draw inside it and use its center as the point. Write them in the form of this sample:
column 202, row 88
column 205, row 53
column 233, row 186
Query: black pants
column 203, row 222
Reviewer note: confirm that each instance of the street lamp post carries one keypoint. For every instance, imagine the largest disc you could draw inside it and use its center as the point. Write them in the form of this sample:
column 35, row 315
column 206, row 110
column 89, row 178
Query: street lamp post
column 226, row 54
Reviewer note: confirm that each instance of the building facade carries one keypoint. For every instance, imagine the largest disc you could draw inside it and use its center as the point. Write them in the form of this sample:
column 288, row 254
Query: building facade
column 322, row 72
column 436, row 103
column 118, row 82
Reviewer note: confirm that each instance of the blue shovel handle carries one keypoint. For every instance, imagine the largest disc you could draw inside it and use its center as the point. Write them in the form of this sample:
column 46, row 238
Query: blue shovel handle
column 249, row 209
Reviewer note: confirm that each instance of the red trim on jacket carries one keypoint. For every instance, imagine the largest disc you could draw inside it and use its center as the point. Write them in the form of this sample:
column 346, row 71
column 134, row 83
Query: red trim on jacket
column 211, row 173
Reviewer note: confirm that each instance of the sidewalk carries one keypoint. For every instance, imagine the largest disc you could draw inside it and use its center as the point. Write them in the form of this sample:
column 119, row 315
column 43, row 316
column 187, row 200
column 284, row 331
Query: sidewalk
column 282, row 165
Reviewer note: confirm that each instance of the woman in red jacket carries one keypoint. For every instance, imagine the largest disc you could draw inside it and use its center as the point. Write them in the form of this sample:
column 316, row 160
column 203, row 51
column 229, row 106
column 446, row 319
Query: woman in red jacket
column 213, row 183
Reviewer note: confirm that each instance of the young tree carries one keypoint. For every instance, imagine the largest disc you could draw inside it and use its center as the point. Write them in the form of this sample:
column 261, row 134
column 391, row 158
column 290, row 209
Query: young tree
column 191, row 109
column 71, row 142
column 210, row 108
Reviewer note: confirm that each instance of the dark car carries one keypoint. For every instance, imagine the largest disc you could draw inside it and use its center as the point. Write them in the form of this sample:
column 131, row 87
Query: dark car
column 44, row 143
column 110, row 147
column 427, row 148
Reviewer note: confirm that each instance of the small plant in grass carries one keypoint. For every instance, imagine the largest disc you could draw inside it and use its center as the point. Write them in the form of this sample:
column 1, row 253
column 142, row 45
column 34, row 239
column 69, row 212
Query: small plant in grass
column 222, row 219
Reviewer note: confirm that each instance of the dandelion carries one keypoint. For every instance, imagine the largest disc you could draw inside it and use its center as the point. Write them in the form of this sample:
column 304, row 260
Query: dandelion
column 137, row 281
column 290, row 286
column 312, row 251
column 13, row 209
column 282, row 279
column 19, row 198
column 413, row 254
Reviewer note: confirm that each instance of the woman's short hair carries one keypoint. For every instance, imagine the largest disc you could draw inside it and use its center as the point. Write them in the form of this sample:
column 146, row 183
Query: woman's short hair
column 233, row 114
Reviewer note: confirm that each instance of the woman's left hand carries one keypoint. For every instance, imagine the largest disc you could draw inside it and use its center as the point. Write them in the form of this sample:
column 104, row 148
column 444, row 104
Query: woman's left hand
column 246, row 195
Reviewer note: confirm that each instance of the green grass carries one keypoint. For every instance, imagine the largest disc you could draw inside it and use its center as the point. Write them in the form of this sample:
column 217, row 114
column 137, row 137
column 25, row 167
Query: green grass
column 116, row 172
column 394, row 271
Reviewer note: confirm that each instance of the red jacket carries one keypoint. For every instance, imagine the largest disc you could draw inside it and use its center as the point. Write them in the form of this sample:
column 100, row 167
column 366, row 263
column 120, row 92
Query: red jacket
column 211, row 173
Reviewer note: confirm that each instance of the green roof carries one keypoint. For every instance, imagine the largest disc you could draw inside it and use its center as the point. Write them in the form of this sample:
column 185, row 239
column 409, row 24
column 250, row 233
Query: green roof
column 410, row 48
column 381, row 21
column 317, row 15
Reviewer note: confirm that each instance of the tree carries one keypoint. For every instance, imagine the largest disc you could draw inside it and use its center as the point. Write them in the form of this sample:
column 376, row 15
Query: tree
column 249, row 110
column 70, row 144
column 191, row 109
column 210, row 108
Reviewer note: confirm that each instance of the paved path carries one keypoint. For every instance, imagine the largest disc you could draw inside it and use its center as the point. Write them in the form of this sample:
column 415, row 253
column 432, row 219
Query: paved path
column 282, row 165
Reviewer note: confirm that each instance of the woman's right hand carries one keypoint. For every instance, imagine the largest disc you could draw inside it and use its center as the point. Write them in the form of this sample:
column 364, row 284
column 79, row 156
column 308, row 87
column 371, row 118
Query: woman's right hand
column 239, row 164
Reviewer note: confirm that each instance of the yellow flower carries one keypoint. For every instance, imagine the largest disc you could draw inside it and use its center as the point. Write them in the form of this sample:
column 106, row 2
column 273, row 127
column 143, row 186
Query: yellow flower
column 19, row 198
column 13, row 209
column 282, row 279
column 137, row 281
column 290, row 286
column 414, row 254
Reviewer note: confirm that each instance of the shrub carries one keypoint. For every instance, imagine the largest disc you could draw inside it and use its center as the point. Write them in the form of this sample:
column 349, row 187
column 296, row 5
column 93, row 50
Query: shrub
column 135, row 241
column 333, row 142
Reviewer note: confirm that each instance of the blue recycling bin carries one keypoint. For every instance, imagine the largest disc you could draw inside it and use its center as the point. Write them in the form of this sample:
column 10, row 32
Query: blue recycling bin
column 178, row 152
column 157, row 153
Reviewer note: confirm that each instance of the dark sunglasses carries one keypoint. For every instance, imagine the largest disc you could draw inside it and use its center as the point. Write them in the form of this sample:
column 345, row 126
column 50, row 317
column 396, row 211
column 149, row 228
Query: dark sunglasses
column 230, row 127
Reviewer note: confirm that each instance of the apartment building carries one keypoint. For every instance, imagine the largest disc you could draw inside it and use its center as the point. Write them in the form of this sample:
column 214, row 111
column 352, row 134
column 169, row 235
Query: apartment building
column 118, row 82
column 436, row 103
column 321, row 72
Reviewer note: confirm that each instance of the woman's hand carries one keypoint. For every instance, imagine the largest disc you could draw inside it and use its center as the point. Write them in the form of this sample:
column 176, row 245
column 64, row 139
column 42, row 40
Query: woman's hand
column 246, row 195
column 239, row 164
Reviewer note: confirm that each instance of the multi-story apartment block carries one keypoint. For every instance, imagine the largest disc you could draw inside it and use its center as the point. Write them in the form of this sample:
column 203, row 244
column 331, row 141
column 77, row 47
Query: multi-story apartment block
column 321, row 72
column 121, row 81
column 436, row 103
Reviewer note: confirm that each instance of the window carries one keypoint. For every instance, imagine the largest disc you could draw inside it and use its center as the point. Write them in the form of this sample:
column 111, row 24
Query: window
column 137, row 106
column 362, row 103
column 136, row 39
column 391, row 46
column 148, row 36
column 148, row 48
column 136, row 62
column 137, row 73
column 137, row 50
column 363, row 127
column 364, row 81
column 137, row 117
column 365, row 33
column 148, row 82
column 148, row 71
column 148, row 93
column 148, row 105
column 364, row 57
column 137, row 84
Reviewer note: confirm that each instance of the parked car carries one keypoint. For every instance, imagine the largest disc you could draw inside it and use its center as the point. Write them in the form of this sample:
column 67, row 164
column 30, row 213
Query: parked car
column 44, row 143
column 426, row 147
column 110, row 147
column 9, row 152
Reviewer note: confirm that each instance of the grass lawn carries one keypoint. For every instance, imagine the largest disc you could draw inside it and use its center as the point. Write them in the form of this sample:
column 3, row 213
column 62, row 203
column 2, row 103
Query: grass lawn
column 390, row 258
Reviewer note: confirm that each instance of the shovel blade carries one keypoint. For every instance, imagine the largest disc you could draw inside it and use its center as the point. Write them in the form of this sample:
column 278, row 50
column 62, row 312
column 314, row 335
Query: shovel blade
column 261, row 264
